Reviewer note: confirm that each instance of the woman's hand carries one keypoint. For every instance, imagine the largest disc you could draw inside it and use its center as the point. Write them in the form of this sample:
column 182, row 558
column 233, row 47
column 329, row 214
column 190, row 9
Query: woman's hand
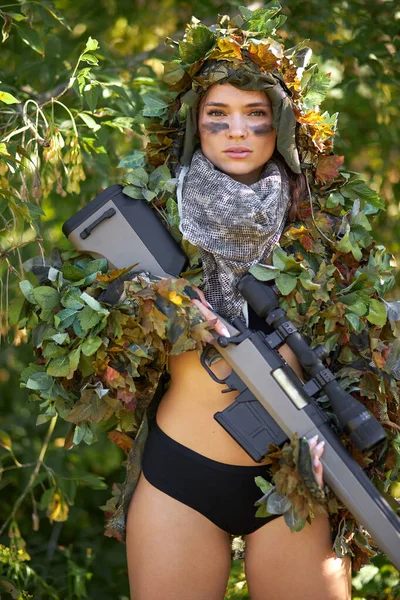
column 206, row 310
column 317, row 451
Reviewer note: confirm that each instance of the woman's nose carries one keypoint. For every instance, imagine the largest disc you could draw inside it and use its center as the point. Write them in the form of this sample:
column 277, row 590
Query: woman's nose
column 237, row 127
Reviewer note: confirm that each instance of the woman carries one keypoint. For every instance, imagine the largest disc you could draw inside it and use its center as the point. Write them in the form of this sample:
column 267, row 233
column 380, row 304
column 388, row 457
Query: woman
column 177, row 530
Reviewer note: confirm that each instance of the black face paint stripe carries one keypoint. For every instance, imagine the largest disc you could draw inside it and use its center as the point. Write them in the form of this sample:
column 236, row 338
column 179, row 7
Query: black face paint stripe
column 262, row 129
column 214, row 127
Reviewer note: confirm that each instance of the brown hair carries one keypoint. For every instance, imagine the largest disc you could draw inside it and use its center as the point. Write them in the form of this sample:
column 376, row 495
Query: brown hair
column 297, row 185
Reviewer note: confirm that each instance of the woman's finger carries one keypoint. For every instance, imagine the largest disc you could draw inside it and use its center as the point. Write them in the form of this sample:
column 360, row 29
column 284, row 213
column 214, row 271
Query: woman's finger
column 319, row 471
column 200, row 293
column 317, row 449
column 210, row 316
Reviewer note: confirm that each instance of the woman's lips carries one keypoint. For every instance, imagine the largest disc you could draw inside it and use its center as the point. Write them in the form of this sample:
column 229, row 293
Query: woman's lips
column 240, row 152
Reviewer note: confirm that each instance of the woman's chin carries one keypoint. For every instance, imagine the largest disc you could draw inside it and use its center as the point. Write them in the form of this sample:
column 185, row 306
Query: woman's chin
column 244, row 173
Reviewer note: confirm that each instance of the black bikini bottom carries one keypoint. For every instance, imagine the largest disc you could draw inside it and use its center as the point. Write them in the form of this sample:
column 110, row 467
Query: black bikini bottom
column 225, row 494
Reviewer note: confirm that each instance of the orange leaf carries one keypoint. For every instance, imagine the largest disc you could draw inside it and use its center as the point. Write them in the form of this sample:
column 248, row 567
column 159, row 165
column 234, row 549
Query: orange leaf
column 122, row 440
column 111, row 275
column 311, row 117
column 111, row 374
column 226, row 49
column 327, row 167
column 263, row 57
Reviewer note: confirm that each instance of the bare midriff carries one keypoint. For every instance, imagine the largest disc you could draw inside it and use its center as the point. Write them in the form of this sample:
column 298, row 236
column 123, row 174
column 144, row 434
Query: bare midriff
column 186, row 411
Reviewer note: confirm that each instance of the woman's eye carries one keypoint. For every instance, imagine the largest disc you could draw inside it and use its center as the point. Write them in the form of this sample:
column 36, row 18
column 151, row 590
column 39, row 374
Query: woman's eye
column 216, row 113
column 258, row 113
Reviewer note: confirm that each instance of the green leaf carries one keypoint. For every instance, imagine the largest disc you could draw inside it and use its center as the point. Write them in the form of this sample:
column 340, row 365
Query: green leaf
column 355, row 303
column 173, row 73
column 5, row 440
column 198, row 41
column 335, row 199
column 53, row 350
column 42, row 332
column 138, row 177
column 317, row 89
column 153, row 106
column 285, row 262
column 60, row 338
column 285, row 283
column 49, row 8
column 278, row 504
column 8, row 98
column 31, row 37
column 293, row 521
column 172, row 212
column 35, row 212
column 46, row 498
column 29, row 371
column 59, row 367
column 91, row 345
column 94, row 481
column 91, row 45
column 377, row 313
column 264, row 272
column 74, row 358
column 307, row 283
column 362, row 220
column 15, row 309
column 90, row 122
column 137, row 159
column 357, row 188
column 27, row 289
column 47, row 297
column 94, row 304
column 158, row 178
column 263, row 484
column 246, row 12
column 39, row 381
column 41, row 419
column 348, row 243
column 65, row 318
column 71, row 272
column 262, row 511
column 89, row 58
column 92, row 96
column 88, row 318
column 99, row 265
column 355, row 322
column 133, row 192
column 71, row 298
column 148, row 194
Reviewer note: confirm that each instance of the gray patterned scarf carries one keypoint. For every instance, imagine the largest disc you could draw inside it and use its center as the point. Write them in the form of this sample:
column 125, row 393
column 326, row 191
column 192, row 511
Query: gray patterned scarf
column 233, row 225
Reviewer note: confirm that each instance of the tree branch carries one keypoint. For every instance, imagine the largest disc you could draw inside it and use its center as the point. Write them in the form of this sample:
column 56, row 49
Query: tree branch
column 34, row 474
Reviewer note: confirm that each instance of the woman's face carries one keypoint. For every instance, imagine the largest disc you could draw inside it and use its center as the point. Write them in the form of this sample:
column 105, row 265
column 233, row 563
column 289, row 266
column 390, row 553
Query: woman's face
column 236, row 132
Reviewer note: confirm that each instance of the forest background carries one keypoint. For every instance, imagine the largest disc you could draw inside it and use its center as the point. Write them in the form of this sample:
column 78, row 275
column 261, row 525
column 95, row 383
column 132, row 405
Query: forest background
column 73, row 76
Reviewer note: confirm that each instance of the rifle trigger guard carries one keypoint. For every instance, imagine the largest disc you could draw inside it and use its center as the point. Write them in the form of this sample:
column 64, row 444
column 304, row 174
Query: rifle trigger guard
column 230, row 380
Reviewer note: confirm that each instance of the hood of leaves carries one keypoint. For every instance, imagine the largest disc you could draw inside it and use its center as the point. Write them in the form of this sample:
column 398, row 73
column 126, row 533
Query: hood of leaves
column 101, row 339
column 251, row 38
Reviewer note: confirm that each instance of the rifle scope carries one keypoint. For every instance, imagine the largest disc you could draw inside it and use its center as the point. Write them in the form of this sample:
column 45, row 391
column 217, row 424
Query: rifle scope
column 355, row 420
